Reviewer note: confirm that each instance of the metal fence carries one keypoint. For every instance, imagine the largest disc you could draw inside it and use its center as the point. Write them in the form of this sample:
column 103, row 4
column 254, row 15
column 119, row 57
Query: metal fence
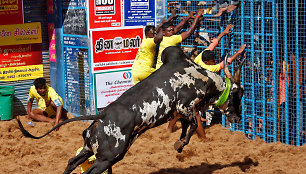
column 274, row 102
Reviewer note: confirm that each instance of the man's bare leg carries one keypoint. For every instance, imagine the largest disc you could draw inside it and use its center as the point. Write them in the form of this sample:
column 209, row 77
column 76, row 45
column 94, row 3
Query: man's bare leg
column 173, row 121
column 39, row 115
column 64, row 115
column 200, row 130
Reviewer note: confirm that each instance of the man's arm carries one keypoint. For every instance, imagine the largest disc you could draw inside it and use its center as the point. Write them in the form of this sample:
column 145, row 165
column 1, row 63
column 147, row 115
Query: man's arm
column 59, row 110
column 232, row 58
column 215, row 41
column 172, row 17
column 159, row 37
column 179, row 26
column 29, row 108
column 191, row 29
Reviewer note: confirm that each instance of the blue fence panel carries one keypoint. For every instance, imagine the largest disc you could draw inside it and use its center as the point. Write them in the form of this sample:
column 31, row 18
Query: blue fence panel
column 274, row 105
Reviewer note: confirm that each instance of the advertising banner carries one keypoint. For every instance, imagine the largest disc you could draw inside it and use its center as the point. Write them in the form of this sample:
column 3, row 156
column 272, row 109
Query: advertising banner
column 27, row 33
column 110, row 85
column 117, row 48
column 51, row 34
column 20, row 52
column 21, row 73
column 104, row 13
column 11, row 12
column 139, row 12
column 20, row 55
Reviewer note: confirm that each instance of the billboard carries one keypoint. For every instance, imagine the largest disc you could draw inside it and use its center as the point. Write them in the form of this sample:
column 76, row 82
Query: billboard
column 115, row 48
column 104, row 13
column 139, row 12
column 110, row 85
column 20, row 52
column 11, row 11
column 17, row 34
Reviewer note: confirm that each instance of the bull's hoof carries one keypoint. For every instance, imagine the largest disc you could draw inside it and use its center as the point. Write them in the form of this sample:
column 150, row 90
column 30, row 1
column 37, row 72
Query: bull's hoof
column 179, row 145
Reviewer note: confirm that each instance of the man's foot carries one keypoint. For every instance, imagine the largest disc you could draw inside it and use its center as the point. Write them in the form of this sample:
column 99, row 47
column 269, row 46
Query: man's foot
column 231, row 8
column 28, row 117
column 220, row 12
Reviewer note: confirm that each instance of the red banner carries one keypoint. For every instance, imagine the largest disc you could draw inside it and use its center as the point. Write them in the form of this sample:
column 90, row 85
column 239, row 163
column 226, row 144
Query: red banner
column 115, row 48
column 104, row 13
column 20, row 55
column 11, row 12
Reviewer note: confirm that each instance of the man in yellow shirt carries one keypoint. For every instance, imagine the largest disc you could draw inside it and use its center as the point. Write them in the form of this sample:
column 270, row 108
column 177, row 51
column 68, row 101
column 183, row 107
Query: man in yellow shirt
column 49, row 103
column 169, row 31
column 207, row 59
column 144, row 60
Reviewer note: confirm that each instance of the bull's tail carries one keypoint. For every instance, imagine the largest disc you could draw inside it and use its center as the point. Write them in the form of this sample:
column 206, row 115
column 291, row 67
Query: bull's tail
column 27, row 134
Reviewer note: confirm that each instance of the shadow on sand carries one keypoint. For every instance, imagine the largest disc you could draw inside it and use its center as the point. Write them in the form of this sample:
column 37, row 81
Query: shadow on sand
column 209, row 168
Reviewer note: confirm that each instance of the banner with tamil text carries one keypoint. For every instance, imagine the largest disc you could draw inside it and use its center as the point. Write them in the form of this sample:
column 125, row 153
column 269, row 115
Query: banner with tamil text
column 115, row 48
column 20, row 52
column 17, row 34
column 11, row 12
column 21, row 73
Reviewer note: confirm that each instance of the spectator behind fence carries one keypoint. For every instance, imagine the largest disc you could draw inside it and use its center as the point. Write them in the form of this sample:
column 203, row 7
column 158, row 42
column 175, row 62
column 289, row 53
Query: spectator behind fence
column 224, row 6
column 50, row 104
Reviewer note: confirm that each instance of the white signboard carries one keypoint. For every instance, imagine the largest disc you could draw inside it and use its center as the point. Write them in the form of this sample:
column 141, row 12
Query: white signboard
column 110, row 85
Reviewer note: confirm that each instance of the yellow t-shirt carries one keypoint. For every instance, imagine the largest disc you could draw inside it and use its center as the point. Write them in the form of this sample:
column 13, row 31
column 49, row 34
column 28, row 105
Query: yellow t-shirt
column 167, row 42
column 88, row 163
column 212, row 68
column 144, row 60
column 43, row 102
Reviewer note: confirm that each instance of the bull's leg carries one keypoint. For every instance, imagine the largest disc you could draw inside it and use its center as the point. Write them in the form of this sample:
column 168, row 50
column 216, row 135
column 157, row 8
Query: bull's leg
column 77, row 160
column 185, row 125
column 179, row 145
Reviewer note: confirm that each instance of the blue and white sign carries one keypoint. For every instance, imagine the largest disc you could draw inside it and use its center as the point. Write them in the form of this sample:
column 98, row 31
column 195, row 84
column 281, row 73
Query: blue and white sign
column 139, row 12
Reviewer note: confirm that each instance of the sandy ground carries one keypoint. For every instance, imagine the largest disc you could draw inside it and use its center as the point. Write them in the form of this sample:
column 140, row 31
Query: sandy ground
column 152, row 153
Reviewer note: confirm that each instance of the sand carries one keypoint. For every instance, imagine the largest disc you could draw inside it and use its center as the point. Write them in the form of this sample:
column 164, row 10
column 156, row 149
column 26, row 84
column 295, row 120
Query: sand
column 152, row 153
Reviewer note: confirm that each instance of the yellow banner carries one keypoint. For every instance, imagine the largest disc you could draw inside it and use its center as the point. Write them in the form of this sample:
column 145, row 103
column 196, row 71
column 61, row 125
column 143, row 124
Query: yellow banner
column 17, row 34
column 21, row 73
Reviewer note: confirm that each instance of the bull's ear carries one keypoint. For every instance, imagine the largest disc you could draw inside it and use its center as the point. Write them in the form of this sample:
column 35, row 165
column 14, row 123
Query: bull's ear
column 238, row 72
column 226, row 70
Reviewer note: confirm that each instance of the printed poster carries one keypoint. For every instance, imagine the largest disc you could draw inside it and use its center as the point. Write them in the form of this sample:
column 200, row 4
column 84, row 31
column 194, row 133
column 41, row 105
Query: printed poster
column 139, row 12
column 20, row 52
column 115, row 48
column 51, row 34
column 104, row 13
column 11, row 11
column 27, row 33
column 110, row 85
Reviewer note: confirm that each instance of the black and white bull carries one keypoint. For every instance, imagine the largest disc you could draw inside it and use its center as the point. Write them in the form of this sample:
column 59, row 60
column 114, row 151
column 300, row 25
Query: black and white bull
column 179, row 85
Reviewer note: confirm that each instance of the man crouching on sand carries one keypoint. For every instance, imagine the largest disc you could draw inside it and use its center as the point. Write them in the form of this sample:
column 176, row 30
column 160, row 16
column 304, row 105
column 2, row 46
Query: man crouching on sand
column 49, row 103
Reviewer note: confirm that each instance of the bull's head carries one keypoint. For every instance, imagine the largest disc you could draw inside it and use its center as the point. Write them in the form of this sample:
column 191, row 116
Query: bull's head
column 233, row 108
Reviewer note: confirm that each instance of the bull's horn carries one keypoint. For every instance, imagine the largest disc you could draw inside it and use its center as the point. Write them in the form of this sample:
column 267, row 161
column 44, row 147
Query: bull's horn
column 238, row 72
column 226, row 70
